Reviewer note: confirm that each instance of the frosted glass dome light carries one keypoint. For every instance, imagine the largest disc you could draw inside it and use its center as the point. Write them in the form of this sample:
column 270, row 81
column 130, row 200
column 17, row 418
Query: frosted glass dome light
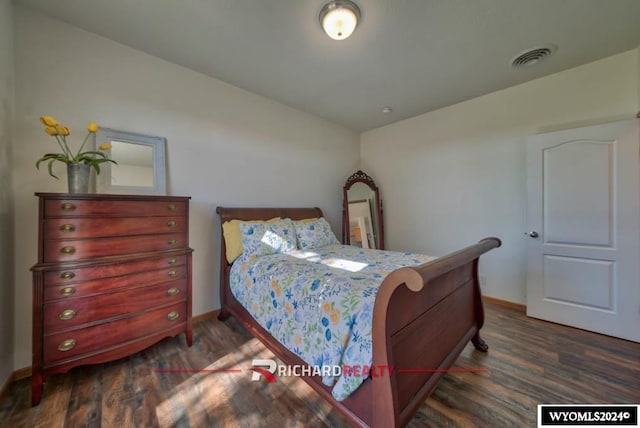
column 339, row 18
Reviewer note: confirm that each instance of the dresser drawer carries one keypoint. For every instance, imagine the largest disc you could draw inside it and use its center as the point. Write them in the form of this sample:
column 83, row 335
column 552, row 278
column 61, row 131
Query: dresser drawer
column 78, row 249
column 112, row 208
column 75, row 290
column 82, row 227
column 61, row 315
column 61, row 346
column 70, row 276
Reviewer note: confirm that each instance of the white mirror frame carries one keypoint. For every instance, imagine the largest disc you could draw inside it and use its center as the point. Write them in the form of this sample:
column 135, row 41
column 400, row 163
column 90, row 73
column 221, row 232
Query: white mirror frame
column 157, row 144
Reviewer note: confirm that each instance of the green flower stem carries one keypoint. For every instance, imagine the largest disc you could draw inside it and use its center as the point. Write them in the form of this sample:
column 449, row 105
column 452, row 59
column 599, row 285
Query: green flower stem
column 63, row 145
column 83, row 143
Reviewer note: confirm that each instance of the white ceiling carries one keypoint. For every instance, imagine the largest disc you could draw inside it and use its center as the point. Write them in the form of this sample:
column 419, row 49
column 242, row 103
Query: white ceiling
column 412, row 55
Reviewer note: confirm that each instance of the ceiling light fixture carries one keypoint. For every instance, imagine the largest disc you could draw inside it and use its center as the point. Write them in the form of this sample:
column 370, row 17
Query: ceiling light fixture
column 339, row 18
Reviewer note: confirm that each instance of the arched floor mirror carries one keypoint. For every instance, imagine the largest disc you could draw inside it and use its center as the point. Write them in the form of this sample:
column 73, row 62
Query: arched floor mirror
column 362, row 223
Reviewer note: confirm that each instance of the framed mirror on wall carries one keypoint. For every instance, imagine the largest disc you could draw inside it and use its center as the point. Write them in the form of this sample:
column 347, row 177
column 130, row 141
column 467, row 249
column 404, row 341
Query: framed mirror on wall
column 362, row 223
column 140, row 165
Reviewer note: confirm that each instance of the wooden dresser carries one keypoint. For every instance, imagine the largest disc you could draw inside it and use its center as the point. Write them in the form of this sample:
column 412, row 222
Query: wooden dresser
column 113, row 277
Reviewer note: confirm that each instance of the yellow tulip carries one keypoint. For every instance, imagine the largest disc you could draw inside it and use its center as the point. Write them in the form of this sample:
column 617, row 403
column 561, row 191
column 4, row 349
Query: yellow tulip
column 63, row 130
column 48, row 121
column 51, row 131
column 105, row 146
column 93, row 127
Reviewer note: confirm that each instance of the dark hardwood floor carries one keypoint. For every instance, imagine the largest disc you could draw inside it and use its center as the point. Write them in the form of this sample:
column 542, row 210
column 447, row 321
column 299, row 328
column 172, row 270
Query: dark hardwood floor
column 529, row 362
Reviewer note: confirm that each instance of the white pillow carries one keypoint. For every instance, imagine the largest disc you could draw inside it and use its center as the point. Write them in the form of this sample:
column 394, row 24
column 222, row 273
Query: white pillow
column 314, row 234
column 259, row 238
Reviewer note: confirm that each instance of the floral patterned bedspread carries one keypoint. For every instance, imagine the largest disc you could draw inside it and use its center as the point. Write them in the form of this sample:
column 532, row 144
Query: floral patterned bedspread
column 319, row 303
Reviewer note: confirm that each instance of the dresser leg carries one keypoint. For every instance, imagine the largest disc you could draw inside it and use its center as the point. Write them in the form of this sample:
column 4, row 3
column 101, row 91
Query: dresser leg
column 36, row 389
column 189, row 334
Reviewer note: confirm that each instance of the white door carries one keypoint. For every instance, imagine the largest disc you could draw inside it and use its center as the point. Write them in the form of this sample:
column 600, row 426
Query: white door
column 583, row 215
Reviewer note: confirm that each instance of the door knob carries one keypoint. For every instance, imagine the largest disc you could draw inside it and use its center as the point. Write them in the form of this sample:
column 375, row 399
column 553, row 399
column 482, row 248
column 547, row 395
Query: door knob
column 533, row 234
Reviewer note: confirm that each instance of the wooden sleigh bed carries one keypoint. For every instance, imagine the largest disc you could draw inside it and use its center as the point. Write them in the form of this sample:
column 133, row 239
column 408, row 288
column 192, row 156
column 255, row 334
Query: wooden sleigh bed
column 423, row 318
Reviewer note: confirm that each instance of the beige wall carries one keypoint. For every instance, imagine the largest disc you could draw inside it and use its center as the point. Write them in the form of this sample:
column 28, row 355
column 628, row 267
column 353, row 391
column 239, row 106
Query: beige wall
column 6, row 200
column 453, row 176
column 447, row 178
column 225, row 146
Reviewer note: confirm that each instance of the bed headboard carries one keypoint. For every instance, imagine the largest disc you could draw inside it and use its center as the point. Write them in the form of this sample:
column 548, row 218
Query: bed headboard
column 248, row 214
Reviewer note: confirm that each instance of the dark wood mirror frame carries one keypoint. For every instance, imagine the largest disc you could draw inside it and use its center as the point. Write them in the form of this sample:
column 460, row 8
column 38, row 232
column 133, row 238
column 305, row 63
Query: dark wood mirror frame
column 361, row 177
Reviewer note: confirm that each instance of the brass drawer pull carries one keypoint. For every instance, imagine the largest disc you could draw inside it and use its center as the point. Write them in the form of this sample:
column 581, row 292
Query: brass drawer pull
column 67, row 314
column 172, row 241
column 68, row 250
column 67, row 228
column 67, row 275
column 172, row 273
column 172, row 261
column 67, row 345
column 172, row 315
column 67, row 291
column 173, row 291
column 67, row 206
column 172, row 207
column 172, row 223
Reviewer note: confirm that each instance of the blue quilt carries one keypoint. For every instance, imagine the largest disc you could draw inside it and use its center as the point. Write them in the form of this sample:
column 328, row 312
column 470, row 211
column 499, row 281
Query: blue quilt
column 319, row 303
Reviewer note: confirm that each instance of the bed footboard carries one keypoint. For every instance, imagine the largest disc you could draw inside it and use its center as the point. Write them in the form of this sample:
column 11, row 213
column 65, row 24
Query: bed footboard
column 423, row 318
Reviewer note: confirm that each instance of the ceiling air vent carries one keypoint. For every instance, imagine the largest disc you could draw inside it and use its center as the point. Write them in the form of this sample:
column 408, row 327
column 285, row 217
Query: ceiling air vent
column 533, row 56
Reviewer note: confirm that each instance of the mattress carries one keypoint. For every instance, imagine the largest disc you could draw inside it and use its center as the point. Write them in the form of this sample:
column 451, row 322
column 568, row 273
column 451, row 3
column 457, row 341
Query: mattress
column 319, row 304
